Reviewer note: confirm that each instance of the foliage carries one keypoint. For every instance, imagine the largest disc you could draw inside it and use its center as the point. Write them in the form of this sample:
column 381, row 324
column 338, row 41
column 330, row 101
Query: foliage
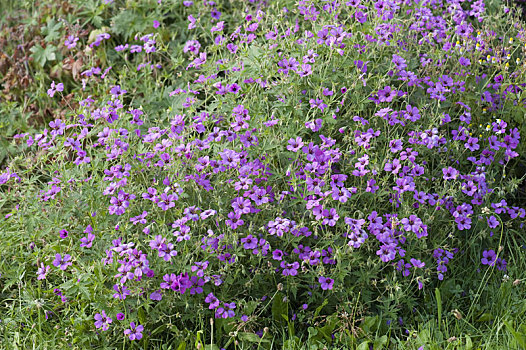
column 262, row 174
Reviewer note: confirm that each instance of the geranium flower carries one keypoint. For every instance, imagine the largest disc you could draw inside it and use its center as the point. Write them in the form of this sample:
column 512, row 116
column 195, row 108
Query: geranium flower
column 134, row 332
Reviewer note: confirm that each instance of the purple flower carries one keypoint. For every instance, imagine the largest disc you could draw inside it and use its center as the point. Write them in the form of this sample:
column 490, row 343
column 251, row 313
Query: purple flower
column 295, row 144
column 42, row 271
column 119, row 48
column 249, row 242
column 218, row 27
column 62, row 262
column 399, row 62
column 464, row 61
column 87, row 242
column 215, row 13
column 212, row 300
column 501, row 264
column 121, row 292
column 290, row 269
column 158, row 243
column 305, row 70
column 157, row 296
column 450, row 173
column 241, row 206
column 277, row 255
column 134, row 332
column 386, row 94
column 417, row 263
column 63, row 234
column 317, row 103
column 286, row 65
column 395, row 145
column 167, row 201
column 493, row 222
column 226, row 311
column 193, row 46
column 488, row 257
column 140, row 218
column 54, row 88
column 71, row 42
column 472, row 144
column 330, row 217
column 120, row 316
column 102, row 321
column 234, row 88
column 199, row 61
column 326, row 283
column 386, row 252
column 135, row 48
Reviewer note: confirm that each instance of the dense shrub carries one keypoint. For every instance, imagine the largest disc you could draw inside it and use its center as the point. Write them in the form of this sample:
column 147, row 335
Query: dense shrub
column 231, row 170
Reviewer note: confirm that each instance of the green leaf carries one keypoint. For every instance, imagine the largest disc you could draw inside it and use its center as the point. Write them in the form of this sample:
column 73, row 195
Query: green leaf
column 251, row 337
column 469, row 343
column 250, row 307
column 41, row 55
column 51, row 30
column 369, row 324
column 485, row 317
column 128, row 23
column 379, row 343
column 142, row 316
column 318, row 309
column 519, row 337
column 279, row 308
column 439, row 306
column 326, row 330
column 312, row 332
column 363, row 346
column 211, row 347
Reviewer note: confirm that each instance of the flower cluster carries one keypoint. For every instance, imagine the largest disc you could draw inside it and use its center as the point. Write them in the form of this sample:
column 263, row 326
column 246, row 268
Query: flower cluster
column 286, row 155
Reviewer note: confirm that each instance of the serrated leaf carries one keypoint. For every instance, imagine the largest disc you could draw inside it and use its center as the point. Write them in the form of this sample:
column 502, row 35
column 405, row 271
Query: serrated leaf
column 318, row 309
column 51, row 30
column 41, row 55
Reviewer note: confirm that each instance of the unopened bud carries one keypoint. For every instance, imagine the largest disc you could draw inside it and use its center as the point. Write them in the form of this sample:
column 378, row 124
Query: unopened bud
column 457, row 314
column 265, row 330
column 280, row 286
column 516, row 282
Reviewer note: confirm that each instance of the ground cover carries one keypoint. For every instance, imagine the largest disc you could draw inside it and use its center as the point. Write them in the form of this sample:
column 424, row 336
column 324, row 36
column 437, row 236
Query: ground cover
column 262, row 174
